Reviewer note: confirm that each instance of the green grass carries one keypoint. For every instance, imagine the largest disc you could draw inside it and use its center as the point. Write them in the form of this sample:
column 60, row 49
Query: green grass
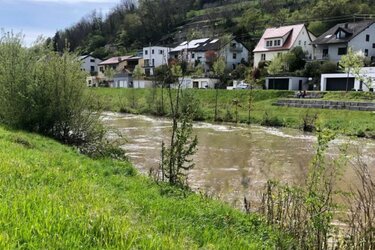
column 356, row 123
column 51, row 197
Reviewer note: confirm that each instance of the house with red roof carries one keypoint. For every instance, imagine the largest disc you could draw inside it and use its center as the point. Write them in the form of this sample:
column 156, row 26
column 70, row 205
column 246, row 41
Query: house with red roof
column 281, row 40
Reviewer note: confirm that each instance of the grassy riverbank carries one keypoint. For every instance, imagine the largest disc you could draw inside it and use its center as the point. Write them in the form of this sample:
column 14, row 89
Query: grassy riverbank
column 356, row 123
column 54, row 198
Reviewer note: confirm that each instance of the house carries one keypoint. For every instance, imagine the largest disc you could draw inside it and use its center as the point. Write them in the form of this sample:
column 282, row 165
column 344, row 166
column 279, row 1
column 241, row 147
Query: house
column 90, row 64
column 287, row 83
column 282, row 40
column 154, row 56
column 341, row 81
column 119, row 64
column 360, row 36
column 204, row 51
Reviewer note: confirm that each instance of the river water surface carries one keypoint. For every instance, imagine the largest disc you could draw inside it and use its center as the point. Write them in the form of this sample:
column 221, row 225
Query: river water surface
column 235, row 161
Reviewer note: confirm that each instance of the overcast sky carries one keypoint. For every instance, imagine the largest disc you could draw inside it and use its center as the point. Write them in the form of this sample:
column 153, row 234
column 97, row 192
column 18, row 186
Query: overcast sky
column 45, row 17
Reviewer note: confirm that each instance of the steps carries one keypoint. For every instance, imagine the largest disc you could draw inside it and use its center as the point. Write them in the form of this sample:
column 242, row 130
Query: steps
column 320, row 104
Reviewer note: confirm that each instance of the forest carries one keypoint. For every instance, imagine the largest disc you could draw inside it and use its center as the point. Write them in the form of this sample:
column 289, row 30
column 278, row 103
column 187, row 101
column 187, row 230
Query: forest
column 133, row 24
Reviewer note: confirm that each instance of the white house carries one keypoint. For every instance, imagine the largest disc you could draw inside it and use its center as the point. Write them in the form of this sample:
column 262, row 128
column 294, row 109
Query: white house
column 341, row 82
column 334, row 43
column 281, row 40
column 154, row 57
column 204, row 51
column 90, row 64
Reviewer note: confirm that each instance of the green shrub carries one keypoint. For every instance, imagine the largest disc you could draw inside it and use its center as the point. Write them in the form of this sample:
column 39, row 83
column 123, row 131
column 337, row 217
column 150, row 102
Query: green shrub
column 44, row 92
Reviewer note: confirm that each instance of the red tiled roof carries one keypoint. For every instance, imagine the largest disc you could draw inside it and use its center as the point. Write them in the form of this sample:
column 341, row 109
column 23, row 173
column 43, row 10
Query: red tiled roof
column 115, row 60
column 294, row 31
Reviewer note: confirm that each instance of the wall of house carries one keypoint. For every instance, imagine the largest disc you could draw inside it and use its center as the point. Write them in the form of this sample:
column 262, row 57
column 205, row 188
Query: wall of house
column 242, row 53
column 359, row 42
column 269, row 56
column 304, row 41
column 87, row 64
column 159, row 57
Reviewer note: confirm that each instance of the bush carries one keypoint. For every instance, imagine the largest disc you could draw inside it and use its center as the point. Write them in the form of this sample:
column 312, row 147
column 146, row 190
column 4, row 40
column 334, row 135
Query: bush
column 44, row 92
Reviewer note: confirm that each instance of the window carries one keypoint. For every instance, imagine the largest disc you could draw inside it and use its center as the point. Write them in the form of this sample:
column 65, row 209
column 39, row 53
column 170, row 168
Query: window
column 234, row 55
column 92, row 68
column 161, row 52
column 153, row 62
column 366, row 52
column 146, row 52
column 192, row 55
column 92, row 60
column 152, row 51
column 304, row 43
column 373, row 45
column 234, row 45
column 234, row 66
column 299, row 43
column 269, row 43
column 263, row 57
column 277, row 42
column 367, row 38
column 342, row 51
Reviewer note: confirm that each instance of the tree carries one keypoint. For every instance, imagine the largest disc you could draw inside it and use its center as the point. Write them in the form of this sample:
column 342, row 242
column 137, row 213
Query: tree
column 109, row 73
column 219, row 70
column 137, row 73
column 351, row 63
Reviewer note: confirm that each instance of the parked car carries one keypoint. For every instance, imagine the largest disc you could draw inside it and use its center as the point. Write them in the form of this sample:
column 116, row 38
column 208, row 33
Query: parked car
column 242, row 86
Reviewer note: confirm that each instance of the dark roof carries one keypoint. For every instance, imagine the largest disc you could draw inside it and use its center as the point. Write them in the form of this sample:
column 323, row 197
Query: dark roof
column 351, row 30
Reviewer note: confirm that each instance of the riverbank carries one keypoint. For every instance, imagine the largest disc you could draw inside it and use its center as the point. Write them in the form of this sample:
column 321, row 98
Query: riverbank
column 263, row 112
column 53, row 197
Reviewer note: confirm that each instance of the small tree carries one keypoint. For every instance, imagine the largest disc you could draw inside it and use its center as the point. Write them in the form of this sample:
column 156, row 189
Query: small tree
column 219, row 70
column 351, row 63
column 276, row 66
column 137, row 73
column 176, row 159
column 109, row 73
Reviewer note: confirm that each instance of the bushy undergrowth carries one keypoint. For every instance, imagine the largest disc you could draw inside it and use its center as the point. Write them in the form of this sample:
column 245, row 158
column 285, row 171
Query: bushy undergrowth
column 44, row 92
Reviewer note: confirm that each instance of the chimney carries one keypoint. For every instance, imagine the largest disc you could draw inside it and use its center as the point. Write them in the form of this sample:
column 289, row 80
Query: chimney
column 119, row 59
column 346, row 25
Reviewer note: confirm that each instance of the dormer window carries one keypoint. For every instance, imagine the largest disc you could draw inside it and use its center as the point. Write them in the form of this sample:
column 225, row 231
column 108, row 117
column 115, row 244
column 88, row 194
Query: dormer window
column 340, row 35
column 273, row 43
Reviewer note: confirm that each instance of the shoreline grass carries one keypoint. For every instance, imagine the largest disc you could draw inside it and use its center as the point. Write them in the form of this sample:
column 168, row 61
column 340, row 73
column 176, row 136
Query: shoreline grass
column 52, row 197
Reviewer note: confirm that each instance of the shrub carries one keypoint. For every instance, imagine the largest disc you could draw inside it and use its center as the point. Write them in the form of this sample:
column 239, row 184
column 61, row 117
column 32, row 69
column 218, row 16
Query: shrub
column 44, row 92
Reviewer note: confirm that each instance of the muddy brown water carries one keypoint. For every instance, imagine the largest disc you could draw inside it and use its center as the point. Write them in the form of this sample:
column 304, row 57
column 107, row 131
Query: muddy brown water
column 235, row 161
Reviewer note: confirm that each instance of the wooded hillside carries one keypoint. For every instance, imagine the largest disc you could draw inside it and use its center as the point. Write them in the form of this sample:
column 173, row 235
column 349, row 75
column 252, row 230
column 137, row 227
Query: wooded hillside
column 133, row 24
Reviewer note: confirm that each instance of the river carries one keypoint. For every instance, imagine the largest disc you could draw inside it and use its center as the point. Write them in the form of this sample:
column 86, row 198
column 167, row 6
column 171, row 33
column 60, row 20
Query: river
column 235, row 161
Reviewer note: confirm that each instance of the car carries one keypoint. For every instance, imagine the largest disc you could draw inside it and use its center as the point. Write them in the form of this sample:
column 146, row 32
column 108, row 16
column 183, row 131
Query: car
column 242, row 86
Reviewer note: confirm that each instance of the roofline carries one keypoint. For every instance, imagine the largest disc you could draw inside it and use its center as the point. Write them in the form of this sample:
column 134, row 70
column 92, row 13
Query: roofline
column 366, row 27
column 270, row 50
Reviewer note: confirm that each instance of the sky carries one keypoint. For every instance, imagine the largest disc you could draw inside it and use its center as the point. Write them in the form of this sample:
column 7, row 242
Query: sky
column 44, row 17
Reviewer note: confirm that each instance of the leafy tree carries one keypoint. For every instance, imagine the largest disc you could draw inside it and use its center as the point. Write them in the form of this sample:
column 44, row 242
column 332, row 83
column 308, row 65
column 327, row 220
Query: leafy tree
column 351, row 63
column 219, row 71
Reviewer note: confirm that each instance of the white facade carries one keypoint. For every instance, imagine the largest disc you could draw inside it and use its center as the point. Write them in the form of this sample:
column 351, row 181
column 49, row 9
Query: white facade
column 155, row 56
column 368, row 72
column 235, row 52
column 358, row 43
column 294, row 83
column 196, row 82
column 90, row 64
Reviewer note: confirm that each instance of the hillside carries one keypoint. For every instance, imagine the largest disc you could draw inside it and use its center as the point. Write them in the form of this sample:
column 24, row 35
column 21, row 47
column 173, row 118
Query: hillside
column 54, row 198
column 132, row 25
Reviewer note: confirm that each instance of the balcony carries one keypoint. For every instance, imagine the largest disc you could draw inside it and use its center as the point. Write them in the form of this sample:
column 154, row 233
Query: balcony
column 236, row 49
